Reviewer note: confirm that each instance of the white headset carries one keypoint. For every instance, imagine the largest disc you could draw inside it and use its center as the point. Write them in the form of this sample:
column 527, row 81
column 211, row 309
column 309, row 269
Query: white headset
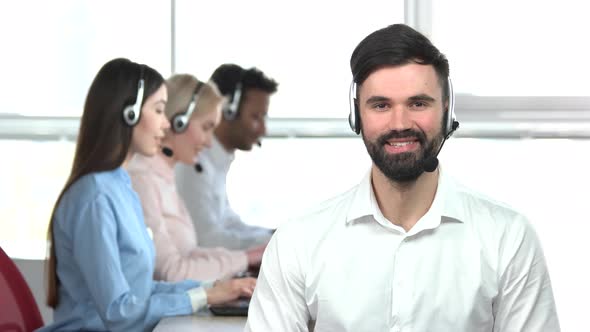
column 131, row 113
column 230, row 110
column 180, row 121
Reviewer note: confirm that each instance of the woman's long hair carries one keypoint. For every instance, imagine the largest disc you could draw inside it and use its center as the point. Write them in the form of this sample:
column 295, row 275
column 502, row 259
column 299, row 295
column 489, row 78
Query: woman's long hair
column 104, row 138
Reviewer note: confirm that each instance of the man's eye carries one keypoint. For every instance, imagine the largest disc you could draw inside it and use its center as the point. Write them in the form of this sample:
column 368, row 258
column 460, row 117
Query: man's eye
column 380, row 106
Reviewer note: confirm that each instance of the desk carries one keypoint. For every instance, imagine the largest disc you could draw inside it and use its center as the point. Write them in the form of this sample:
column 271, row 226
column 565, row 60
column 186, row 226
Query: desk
column 201, row 323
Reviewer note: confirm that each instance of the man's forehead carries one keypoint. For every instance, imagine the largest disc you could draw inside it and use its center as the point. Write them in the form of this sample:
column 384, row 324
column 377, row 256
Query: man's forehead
column 256, row 93
column 406, row 79
column 256, row 101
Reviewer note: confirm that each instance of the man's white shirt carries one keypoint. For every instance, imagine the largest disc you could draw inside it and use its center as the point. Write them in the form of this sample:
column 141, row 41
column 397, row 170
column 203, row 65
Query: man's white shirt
column 469, row 264
column 205, row 195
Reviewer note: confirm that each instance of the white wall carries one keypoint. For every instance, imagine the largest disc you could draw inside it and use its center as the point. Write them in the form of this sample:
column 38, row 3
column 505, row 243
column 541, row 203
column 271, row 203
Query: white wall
column 33, row 270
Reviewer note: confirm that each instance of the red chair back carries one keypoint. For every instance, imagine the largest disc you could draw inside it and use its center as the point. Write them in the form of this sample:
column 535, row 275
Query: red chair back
column 18, row 310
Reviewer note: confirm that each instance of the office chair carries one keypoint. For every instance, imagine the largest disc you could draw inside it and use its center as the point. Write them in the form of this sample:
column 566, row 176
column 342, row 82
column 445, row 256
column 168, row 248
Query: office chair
column 19, row 311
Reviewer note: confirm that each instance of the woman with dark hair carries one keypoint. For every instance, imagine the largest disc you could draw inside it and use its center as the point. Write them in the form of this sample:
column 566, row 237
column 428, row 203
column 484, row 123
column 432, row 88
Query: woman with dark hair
column 101, row 258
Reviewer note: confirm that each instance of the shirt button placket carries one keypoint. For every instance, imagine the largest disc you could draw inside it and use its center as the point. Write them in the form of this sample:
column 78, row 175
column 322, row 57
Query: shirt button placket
column 398, row 291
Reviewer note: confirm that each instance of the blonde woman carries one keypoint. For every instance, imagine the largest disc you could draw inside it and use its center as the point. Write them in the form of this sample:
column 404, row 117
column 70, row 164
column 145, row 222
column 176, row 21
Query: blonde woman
column 194, row 110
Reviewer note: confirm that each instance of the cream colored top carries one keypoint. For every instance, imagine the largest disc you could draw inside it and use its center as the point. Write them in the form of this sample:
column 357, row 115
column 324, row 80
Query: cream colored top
column 178, row 255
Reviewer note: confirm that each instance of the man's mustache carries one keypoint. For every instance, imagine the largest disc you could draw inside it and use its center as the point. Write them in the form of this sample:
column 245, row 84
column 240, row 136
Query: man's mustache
column 407, row 133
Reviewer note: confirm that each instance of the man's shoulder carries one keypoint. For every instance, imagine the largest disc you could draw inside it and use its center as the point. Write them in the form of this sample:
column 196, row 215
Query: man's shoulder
column 324, row 214
column 480, row 206
column 105, row 183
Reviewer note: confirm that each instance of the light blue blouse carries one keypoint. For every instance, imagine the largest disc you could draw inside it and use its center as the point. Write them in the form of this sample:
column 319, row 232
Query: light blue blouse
column 105, row 261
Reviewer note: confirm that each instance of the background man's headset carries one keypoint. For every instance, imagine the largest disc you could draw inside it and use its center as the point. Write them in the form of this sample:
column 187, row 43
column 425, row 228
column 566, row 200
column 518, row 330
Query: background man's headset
column 180, row 120
column 230, row 111
column 354, row 118
column 232, row 107
column 132, row 113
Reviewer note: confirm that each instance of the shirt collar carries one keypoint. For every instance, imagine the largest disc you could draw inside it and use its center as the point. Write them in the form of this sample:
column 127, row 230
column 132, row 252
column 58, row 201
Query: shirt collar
column 444, row 208
column 219, row 155
column 122, row 174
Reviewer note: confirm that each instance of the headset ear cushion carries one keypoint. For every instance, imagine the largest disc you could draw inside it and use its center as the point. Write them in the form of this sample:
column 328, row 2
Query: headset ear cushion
column 228, row 113
column 132, row 112
column 129, row 115
column 357, row 118
column 233, row 106
column 354, row 116
column 179, row 123
column 352, row 119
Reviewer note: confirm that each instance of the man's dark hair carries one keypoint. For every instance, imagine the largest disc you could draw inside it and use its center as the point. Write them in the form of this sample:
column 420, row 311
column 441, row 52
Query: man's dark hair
column 227, row 77
column 397, row 45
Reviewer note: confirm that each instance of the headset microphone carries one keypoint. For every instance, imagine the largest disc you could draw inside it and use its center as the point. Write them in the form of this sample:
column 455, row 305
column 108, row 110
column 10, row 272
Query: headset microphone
column 198, row 168
column 431, row 163
column 167, row 152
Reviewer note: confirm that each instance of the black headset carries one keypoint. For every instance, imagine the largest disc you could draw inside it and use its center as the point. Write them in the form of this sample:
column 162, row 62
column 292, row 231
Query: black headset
column 180, row 120
column 131, row 113
column 231, row 108
column 354, row 118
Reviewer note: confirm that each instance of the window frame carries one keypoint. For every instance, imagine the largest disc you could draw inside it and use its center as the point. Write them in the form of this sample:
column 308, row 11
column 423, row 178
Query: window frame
column 497, row 116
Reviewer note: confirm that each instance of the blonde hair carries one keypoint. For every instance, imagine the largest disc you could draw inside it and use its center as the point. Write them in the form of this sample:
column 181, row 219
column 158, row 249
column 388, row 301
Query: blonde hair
column 181, row 90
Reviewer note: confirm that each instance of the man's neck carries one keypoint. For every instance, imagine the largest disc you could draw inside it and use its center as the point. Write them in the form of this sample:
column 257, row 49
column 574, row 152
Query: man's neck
column 221, row 134
column 403, row 204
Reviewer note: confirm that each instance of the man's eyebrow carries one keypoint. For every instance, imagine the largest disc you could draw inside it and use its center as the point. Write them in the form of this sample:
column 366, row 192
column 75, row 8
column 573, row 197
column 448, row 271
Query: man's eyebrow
column 376, row 99
column 422, row 97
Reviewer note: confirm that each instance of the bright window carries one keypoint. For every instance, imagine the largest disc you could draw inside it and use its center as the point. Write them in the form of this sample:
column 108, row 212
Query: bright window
column 305, row 45
column 31, row 183
column 53, row 49
column 515, row 48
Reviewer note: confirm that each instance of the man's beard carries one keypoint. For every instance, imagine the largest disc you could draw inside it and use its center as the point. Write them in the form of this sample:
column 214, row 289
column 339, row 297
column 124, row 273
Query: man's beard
column 406, row 166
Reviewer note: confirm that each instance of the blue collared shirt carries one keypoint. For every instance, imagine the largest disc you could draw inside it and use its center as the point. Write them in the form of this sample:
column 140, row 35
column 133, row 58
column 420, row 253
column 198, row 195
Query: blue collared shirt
column 105, row 261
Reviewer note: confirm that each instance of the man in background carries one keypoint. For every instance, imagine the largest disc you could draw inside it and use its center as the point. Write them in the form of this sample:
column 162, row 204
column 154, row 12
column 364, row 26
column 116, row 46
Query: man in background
column 203, row 187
